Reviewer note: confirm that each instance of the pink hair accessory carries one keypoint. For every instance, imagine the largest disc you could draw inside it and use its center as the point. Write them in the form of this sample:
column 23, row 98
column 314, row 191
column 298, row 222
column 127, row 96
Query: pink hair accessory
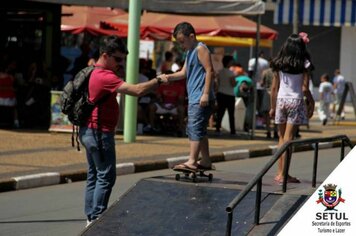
column 304, row 36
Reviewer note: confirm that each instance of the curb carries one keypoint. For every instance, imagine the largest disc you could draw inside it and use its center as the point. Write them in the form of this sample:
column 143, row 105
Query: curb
column 52, row 178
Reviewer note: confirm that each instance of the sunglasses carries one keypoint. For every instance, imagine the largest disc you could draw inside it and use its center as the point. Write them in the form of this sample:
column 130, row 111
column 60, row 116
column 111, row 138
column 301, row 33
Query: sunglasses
column 117, row 59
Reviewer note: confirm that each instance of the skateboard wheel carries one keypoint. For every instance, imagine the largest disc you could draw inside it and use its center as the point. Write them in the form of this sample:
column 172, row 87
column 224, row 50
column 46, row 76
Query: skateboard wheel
column 210, row 176
column 177, row 177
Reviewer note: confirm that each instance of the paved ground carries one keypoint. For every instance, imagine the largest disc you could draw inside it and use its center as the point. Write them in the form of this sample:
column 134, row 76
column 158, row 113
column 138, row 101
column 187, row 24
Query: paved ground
column 28, row 152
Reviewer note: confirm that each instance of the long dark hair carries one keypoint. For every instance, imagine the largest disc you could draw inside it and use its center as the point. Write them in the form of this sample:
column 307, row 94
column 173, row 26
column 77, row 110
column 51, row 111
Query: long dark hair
column 292, row 56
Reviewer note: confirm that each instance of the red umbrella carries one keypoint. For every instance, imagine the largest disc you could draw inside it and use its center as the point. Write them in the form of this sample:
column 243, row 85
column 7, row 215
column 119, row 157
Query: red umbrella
column 160, row 26
column 77, row 19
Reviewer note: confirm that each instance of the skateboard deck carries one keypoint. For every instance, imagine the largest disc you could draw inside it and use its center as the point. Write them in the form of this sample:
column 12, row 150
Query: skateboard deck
column 192, row 174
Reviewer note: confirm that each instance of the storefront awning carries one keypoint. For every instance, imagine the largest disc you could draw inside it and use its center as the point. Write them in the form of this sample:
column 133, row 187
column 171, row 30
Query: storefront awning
column 201, row 7
column 317, row 12
column 160, row 26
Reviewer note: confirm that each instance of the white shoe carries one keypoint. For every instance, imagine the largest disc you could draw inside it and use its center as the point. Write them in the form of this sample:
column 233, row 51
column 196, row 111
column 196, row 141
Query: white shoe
column 88, row 223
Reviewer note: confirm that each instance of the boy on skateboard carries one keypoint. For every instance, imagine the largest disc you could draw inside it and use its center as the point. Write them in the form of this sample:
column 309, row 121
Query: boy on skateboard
column 198, row 71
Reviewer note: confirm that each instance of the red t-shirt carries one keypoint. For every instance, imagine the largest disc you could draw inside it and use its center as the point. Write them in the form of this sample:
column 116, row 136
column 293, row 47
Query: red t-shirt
column 171, row 93
column 103, row 84
column 6, row 86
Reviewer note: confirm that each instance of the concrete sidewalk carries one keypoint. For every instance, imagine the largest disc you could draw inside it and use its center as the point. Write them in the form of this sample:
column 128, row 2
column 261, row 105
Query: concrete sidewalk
column 31, row 159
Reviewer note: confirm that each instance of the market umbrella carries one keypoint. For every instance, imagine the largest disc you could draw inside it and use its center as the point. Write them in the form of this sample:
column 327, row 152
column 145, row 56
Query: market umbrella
column 160, row 26
column 78, row 19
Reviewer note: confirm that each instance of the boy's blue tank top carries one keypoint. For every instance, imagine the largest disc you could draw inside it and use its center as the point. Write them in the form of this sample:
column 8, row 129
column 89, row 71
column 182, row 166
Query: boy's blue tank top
column 196, row 77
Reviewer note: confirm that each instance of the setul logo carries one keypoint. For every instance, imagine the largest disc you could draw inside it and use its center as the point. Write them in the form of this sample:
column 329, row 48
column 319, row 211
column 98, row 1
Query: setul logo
column 330, row 198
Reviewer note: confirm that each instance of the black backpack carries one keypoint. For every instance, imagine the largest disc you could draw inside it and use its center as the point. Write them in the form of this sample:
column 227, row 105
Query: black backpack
column 75, row 101
column 75, row 98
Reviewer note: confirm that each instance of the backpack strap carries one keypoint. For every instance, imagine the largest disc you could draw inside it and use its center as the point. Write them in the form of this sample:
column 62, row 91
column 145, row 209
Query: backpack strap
column 75, row 131
column 73, row 135
column 77, row 137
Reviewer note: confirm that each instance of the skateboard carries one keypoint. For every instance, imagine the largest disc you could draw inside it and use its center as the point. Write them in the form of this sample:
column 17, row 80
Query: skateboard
column 193, row 174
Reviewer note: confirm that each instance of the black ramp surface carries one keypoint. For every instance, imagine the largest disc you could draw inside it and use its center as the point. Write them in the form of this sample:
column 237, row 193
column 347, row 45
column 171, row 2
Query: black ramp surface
column 161, row 208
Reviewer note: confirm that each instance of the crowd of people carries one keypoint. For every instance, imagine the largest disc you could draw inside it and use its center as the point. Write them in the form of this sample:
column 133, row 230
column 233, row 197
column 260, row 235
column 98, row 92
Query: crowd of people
column 25, row 88
column 232, row 82
column 24, row 92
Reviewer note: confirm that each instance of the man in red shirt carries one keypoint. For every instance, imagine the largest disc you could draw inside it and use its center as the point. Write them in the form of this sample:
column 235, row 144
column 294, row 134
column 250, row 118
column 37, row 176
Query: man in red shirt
column 97, row 136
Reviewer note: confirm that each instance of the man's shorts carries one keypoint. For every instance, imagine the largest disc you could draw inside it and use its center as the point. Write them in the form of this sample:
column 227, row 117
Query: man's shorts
column 291, row 111
column 198, row 119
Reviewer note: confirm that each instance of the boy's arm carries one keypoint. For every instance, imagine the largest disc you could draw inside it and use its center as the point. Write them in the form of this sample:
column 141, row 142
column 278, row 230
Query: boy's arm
column 175, row 76
column 205, row 60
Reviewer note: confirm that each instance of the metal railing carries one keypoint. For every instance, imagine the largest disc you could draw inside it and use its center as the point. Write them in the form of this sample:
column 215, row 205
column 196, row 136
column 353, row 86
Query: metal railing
column 257, row 180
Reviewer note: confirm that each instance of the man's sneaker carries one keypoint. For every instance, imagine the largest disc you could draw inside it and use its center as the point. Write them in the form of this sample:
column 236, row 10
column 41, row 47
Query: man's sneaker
column 89, row 222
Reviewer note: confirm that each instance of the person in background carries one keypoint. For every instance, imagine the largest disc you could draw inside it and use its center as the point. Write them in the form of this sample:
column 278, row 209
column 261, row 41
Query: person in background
column 71, row 51
column 326, row 93
column 244, row 89
column 167, row 63
column 143, row 101
column 339, row 87
column 81, row 61
column 291, row 68
column 262, row 64
column 150, row 72
column 198, row 71
column 7, row 93
column 170, row 100
column 267, row 78
column 225, row 96
column 37, row 102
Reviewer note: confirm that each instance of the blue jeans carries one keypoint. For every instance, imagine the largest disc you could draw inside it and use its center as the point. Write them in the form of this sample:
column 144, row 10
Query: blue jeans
column 198, row 118
column 101, row 170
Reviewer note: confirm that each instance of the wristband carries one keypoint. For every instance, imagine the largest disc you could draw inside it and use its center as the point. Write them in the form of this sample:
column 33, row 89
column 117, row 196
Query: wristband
column 159, row 80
